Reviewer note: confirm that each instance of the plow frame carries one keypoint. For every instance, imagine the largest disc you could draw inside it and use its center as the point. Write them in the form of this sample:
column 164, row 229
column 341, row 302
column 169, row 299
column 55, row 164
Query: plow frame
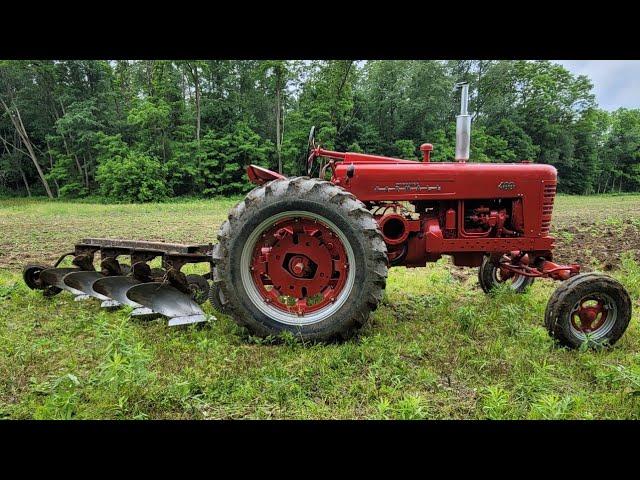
column 174, row 255
column 169, row 292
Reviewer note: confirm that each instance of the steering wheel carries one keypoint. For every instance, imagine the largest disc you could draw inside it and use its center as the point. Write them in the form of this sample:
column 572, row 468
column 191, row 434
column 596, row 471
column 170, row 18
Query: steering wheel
column 307, row 166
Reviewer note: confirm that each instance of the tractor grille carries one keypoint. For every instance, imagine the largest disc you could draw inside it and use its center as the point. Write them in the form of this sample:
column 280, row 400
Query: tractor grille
column 548, row 194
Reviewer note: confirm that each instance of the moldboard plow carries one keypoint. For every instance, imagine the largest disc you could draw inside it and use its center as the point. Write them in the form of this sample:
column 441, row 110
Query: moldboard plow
column 151, row 292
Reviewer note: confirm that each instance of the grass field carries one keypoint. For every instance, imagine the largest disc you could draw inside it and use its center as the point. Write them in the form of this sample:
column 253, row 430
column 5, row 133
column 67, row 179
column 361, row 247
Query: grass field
column 436, row 348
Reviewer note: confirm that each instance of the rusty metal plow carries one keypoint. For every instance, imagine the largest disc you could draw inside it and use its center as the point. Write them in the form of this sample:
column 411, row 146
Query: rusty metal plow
column 150, row 292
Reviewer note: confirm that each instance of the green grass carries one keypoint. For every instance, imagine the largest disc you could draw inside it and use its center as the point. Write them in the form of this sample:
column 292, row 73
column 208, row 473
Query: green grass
column 436, row 348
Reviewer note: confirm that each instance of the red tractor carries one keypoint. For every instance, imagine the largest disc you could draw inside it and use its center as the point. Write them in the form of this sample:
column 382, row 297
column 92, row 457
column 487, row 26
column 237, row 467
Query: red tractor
column 310, row 255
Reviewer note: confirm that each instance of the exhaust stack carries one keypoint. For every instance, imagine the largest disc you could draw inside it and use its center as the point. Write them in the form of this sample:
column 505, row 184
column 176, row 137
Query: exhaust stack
column 463, row 125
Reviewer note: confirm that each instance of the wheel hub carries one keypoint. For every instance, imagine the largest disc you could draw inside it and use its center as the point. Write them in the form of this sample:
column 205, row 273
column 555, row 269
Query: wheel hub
column 299, row 265
column 589, row 315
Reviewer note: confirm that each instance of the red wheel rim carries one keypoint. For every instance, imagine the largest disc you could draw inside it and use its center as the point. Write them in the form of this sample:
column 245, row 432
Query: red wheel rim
column 503, row 275
column 299, row 265
column 589, row 315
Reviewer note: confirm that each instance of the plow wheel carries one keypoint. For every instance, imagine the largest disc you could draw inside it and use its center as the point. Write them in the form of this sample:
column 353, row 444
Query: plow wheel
column 590, row 307
column 199, row 288
column 490, row 276
column 31, row 276
column 300, row 255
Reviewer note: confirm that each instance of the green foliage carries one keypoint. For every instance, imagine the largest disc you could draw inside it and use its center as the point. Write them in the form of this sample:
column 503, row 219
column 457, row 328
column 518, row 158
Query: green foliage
column 135, row 178
column 221, row 160
column 496, row 403
column 110, row 147
column 406, row 149
column 205, row 120
column 489, row 148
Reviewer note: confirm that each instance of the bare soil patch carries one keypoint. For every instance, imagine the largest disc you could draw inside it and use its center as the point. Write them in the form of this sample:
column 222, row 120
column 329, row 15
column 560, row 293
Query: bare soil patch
column 597, row 246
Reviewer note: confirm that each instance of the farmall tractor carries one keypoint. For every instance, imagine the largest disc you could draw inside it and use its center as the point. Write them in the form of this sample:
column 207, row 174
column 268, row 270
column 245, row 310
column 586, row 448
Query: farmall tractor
column 310, row 256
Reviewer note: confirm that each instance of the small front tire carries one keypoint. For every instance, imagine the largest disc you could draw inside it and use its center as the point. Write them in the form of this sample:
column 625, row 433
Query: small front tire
column 490, row 276
column 590, row 308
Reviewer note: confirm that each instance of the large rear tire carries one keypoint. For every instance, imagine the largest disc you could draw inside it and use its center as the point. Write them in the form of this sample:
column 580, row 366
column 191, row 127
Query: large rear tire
column 300, row 255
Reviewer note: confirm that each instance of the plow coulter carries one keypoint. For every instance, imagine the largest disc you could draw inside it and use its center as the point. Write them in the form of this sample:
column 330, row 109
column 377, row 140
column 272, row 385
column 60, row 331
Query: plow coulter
column 309, row 255
column 151, row 292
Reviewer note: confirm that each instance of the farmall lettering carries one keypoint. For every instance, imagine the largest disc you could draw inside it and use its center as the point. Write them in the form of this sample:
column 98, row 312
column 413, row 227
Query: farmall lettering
column 407, row 187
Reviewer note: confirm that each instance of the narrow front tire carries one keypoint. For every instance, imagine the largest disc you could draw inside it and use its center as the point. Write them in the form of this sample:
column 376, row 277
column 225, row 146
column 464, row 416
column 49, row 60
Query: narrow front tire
column 491, row 276
column 590, row 308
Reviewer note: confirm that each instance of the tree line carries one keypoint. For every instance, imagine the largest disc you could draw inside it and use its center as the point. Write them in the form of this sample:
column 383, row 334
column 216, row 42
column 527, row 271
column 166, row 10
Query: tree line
column 153, row 129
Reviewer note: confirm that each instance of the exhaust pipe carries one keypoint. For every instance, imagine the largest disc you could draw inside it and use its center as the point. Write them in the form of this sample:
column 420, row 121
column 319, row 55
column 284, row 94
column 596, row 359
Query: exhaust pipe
column 463, row 125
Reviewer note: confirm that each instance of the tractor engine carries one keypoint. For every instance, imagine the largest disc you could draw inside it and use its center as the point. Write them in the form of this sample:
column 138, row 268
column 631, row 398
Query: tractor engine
column 485, row 222
column 405, row 226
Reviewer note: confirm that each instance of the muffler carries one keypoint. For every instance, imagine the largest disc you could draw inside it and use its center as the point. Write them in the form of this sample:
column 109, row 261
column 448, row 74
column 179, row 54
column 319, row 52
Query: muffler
column 463, row 125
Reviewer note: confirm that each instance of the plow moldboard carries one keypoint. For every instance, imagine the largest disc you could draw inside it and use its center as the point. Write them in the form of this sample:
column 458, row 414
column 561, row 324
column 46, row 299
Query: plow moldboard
column 83, row 281
column 168, row 301
column 116, row 289
column 55, row 277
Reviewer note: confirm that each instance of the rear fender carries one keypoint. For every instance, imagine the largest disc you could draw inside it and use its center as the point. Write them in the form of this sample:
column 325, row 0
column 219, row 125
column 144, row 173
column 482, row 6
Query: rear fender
column 260, row 176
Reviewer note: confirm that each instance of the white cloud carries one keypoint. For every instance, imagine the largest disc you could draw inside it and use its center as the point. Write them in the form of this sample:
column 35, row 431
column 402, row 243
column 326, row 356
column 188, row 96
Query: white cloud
column 616, row 83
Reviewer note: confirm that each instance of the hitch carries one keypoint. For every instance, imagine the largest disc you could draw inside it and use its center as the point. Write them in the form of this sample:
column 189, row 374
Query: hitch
column 518, row 263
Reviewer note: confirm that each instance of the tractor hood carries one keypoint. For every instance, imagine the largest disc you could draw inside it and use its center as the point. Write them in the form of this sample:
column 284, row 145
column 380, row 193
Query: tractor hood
column 375, row 179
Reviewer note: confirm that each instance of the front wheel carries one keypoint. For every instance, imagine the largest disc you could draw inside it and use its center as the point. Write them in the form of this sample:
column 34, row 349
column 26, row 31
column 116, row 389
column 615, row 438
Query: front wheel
column 301, row 255
column 490, row 276
column 590, row 308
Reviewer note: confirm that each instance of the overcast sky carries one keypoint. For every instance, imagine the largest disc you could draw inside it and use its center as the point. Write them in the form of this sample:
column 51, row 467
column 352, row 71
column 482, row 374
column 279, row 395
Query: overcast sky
column 616, row 83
